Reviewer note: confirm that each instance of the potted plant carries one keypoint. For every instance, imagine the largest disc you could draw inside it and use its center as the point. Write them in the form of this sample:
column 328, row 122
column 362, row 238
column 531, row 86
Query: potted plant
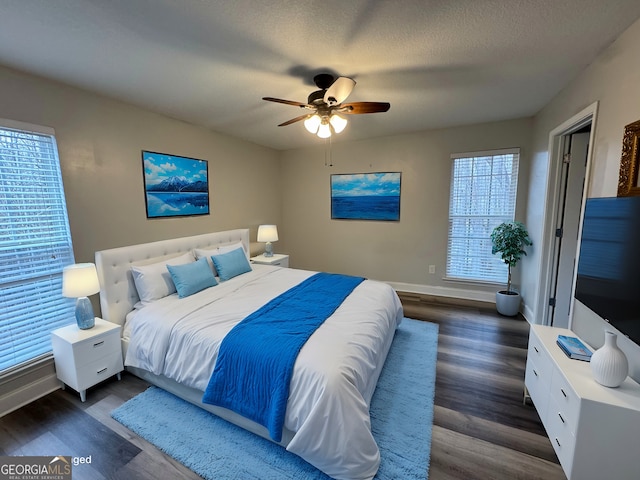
column 509, row 240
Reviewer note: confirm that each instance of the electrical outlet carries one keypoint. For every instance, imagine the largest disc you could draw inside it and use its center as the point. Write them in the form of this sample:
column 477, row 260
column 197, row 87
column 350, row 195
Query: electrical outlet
column 432, row 269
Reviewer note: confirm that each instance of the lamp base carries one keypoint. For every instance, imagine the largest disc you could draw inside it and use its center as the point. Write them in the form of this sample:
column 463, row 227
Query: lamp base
column 268, row 249
column 84, row 314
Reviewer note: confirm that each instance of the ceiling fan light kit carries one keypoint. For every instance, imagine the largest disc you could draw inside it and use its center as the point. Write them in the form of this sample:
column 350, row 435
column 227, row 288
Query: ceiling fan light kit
column 326, row 104
column 325, row 126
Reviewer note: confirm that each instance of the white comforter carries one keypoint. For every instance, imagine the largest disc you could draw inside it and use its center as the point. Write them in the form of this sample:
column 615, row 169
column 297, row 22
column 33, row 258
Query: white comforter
column 334, row 376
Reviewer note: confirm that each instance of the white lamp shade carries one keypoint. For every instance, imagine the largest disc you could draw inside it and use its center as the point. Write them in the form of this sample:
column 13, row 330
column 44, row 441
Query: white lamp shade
column 338, row 123
column 80, row 280
column 324, row 131
column 312, row 123
column 267, row 233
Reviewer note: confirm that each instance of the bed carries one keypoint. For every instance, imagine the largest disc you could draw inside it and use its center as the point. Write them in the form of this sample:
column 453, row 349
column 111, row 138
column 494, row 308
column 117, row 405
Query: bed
column 173, row 343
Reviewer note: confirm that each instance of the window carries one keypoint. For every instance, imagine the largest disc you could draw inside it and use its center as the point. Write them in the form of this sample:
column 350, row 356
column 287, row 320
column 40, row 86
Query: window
column 483, row 195
column 35, row 244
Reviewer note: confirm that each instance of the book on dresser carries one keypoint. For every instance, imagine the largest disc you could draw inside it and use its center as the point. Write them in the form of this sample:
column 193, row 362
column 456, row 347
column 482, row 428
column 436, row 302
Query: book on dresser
column 573, row 348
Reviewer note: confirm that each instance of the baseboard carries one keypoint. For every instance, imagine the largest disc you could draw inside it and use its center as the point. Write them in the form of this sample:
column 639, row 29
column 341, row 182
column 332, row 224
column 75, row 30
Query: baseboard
column 527, row 313
column 27, row 385
column 455, row 296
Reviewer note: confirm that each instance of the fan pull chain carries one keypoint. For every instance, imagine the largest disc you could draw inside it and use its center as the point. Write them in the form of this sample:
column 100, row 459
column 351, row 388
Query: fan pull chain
column 328, row 161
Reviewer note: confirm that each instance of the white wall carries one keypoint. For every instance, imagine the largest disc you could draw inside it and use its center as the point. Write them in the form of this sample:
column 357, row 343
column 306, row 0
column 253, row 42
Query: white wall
column 613, row 81
column 100, row 142
column 397, row 252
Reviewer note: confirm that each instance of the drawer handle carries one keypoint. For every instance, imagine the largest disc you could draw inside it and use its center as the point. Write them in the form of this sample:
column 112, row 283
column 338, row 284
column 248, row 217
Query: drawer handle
column 558, row 442
column 98, row 344
column 561, row 417
column 565, row 395
column 102, row 371
column 536, row 349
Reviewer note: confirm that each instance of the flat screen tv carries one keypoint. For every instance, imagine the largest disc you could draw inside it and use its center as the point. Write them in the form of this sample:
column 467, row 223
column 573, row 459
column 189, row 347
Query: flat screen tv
column 608, row 280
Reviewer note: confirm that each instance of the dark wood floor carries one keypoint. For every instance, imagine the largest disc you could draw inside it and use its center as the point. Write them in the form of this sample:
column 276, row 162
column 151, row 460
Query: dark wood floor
column 481, row 428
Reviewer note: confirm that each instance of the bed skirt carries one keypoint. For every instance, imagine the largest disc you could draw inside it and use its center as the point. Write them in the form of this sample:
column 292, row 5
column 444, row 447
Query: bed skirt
column 194, row 396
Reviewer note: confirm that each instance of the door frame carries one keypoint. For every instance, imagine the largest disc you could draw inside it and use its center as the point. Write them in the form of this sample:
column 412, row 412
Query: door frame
column 553, row 197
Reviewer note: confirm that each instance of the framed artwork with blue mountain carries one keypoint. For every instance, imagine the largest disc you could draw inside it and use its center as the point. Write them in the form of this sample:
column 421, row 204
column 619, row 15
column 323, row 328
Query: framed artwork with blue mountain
column 175, row 186
column 366, row 196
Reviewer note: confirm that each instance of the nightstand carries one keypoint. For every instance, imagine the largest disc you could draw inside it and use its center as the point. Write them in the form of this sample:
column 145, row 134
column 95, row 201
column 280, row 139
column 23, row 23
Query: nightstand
column 84, row 358
column 277, row 260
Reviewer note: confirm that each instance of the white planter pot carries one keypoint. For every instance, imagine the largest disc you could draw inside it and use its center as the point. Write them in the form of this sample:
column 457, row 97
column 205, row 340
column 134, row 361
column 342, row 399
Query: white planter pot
column 508, row 304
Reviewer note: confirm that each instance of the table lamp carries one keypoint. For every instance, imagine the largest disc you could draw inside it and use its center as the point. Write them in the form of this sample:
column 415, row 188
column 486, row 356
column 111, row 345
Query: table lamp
column 268, row 234
column 79, row 281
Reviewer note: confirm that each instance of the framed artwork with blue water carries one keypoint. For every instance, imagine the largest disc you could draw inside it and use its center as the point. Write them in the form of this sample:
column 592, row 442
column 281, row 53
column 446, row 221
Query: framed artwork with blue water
column 175, row 186
column 366, row 196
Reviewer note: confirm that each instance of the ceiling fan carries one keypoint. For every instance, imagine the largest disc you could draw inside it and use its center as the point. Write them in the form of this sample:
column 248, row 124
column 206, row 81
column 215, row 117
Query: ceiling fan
column 325, row 106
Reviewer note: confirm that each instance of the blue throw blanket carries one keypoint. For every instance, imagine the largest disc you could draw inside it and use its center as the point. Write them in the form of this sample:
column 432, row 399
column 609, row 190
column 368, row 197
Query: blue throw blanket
column 256, row 357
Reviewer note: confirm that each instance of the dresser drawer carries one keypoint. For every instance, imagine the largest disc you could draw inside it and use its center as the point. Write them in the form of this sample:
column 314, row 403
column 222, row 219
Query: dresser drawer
column 538, row 374
column 538, row 387
column 566, row 401
column 540, row 356
column 97, row 347
column 561, row 436
column 98, row 370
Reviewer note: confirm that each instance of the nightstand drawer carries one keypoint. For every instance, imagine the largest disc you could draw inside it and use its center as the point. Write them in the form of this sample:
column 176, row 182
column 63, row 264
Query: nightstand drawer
column 281, row 263
column 98, row 370
column 97, row 347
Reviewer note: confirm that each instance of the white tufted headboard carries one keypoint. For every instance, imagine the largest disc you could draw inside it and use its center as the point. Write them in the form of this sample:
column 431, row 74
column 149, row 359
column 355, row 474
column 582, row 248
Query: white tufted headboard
column 118, row 293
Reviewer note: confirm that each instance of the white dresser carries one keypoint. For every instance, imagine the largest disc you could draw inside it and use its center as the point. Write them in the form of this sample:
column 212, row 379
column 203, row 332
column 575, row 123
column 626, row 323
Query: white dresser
column 594, row 430
column 84, row 358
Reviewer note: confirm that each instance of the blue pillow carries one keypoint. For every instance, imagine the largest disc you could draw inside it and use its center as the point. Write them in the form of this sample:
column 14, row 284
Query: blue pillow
column 231, row 264
column 192, row 277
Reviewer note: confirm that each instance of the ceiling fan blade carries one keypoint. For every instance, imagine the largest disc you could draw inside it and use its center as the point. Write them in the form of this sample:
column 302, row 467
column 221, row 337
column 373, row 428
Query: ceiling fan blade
column 286, row 102
column 339, row 91
column 357, row 108
column 294, row 120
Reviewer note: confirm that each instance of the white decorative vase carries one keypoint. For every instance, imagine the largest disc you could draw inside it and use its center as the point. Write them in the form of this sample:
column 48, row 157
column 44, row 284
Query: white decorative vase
column 609, row 364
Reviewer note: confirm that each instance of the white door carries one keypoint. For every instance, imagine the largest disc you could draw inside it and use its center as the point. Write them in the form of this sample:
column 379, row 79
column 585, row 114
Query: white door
column 568, row 225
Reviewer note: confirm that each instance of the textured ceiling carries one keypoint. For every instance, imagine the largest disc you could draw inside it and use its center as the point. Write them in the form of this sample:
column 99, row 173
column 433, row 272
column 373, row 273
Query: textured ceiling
column 439, row 63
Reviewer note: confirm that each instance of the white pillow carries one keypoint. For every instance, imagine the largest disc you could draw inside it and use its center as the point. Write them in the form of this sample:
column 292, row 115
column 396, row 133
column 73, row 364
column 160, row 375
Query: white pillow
column 200, row 253
column 230, row 248
column 153, row 281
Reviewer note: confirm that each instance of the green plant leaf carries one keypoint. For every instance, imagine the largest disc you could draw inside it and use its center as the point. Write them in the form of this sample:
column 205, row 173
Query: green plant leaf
column 509, row 240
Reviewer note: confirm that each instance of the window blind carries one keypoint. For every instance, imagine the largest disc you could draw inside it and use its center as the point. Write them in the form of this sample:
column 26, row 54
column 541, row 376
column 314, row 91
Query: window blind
column 483, row 195
column 35, row 244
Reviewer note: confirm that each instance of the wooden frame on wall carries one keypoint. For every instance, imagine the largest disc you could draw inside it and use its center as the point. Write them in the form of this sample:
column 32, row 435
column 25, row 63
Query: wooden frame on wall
column 628, row 181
